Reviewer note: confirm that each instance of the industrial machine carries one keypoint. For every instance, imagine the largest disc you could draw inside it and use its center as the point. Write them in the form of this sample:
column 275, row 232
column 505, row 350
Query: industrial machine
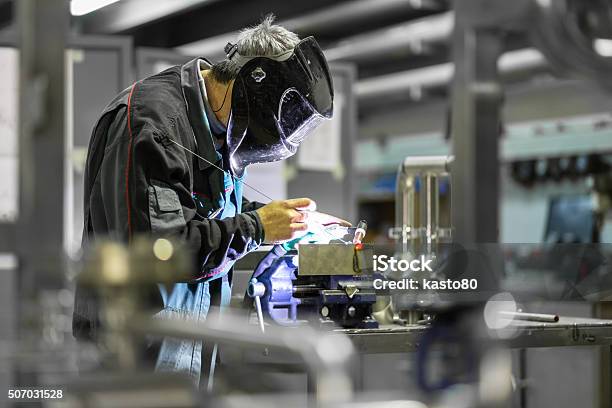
column 326, row 278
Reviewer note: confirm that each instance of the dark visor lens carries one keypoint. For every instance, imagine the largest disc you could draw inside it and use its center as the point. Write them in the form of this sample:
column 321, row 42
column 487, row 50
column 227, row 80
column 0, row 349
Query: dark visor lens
column 318, row 88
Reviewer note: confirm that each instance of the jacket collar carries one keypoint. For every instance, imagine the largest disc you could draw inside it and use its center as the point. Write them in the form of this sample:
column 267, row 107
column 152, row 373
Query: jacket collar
column 190, row 82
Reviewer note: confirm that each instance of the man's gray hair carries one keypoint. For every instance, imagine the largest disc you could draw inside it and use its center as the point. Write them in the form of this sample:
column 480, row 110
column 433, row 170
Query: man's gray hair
column 264, row 39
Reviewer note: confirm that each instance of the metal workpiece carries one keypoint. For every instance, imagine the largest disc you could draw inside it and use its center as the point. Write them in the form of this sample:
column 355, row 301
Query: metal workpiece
column 567, row 332
column 334, row 259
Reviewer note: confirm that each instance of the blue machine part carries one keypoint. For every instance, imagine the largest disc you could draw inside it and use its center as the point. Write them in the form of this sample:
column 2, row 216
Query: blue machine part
column 278, row 302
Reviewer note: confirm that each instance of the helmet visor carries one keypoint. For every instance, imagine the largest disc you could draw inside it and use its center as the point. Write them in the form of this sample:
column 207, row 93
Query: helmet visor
column 276, row 103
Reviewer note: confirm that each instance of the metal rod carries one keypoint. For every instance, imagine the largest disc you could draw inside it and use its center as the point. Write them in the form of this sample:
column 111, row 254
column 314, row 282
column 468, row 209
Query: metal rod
column 532, row 317
column 260, row 318
column 306, row 289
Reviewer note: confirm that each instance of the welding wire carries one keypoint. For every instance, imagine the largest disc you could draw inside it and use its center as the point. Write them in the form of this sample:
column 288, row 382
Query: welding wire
column 360, row 232
column 532, row 317
column 219, row 168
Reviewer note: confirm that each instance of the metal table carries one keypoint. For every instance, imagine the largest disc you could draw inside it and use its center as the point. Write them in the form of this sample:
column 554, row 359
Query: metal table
column 569, row 331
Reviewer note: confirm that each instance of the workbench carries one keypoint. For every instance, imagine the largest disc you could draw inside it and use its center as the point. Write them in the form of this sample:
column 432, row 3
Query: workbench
column 568, row 331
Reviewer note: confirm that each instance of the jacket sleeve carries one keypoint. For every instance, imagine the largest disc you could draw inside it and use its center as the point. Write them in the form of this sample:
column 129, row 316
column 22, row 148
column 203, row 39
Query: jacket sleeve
column 146, row 189
column 250, row 205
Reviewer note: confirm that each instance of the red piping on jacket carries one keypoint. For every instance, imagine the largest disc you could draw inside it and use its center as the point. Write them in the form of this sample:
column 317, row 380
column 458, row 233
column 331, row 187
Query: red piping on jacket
column 129, row 162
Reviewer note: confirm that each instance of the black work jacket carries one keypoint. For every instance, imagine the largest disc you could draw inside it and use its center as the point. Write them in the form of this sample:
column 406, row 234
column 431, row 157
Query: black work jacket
column 137, row 181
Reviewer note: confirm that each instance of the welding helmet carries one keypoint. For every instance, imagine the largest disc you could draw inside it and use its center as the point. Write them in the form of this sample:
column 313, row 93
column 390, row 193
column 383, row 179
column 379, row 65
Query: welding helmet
column 276, row 102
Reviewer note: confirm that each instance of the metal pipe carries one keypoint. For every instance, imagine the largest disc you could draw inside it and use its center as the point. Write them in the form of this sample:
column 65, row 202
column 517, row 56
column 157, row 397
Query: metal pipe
column 355, row 12
column 352, row 12
column 416, row 80
column 431, row 209
column 532, row 317
column 413, row 36
column 127, row 15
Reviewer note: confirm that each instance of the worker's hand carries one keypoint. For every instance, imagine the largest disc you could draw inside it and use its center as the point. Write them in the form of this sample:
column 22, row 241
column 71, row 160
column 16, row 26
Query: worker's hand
column 285, row 220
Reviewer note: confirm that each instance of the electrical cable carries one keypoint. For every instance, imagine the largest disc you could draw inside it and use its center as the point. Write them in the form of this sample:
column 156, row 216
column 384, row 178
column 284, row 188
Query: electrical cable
column 219, row 168
column 224, row 98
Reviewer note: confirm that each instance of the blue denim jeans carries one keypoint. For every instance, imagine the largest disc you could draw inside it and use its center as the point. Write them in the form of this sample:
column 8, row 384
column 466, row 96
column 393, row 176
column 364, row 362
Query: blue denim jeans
column 191, row 302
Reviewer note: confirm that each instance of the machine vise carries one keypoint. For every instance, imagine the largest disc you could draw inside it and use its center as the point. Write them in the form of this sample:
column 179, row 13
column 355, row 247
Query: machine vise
column 329, row 285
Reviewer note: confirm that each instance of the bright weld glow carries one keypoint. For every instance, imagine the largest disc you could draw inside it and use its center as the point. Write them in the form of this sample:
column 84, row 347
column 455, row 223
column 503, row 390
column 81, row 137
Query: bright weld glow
column 82, row 7
column 603, row 46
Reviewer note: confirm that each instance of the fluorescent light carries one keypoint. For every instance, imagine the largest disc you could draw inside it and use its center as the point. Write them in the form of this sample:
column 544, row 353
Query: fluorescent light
column 81, row 7
column 603, row 46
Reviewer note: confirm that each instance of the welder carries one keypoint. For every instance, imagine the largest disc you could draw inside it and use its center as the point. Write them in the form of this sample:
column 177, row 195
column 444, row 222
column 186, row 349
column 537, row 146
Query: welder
column 168, row 157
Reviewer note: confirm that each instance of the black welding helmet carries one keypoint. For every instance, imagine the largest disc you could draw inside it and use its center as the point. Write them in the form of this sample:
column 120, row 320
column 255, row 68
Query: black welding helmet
column 276, row 102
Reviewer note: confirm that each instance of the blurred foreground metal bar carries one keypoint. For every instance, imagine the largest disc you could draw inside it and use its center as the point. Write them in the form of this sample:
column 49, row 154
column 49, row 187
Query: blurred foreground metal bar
column 7, row 238
column 39, row 236
column 327, row 356
column 43, row 29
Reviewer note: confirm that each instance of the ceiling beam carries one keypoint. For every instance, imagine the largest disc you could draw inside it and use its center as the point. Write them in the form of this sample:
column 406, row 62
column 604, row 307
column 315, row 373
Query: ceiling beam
column 128, row 14
column 351, row 12
column 413, row 82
